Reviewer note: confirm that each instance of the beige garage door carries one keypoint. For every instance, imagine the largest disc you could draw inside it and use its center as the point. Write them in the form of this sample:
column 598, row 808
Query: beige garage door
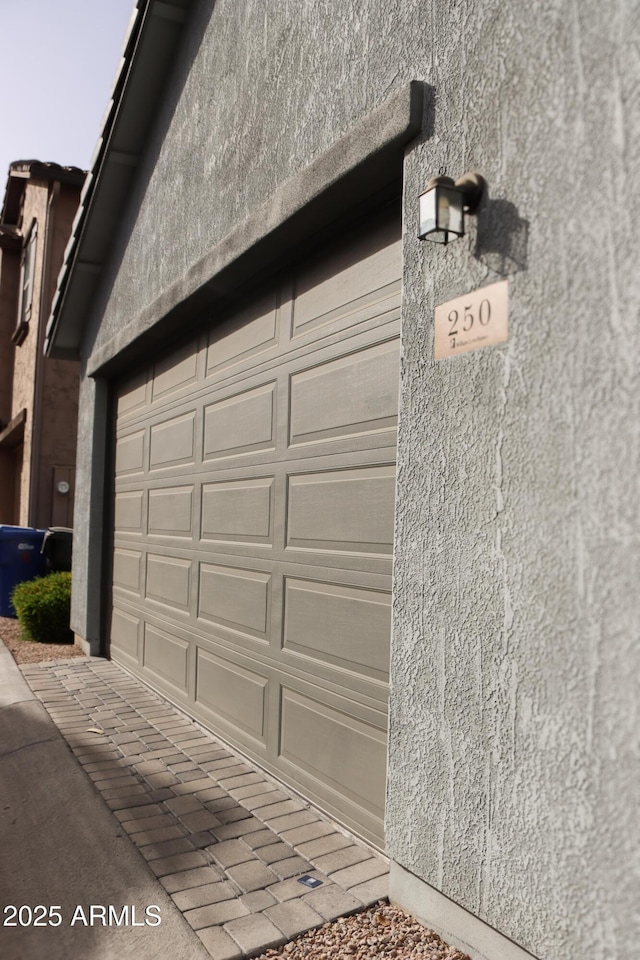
column 254, row 500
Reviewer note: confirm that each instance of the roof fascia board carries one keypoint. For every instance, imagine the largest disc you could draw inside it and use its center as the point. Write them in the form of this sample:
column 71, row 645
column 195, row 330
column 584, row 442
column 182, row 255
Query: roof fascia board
column 95, row 202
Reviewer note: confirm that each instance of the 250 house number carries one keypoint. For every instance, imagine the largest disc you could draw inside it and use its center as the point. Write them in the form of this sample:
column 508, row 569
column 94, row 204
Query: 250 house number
column 476, row 319
column 38, row 916
column 465, row 322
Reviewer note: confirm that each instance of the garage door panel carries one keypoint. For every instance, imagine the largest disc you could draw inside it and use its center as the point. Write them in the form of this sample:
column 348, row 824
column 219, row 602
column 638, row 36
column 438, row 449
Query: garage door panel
column 172, row 442
column 350, row 396
column 237, row 598
column 379, row 322
column 130, row 458
column 344, row 753
column 275, row 372
column 171, row 511
column 241, row 424
column 168, row 581
column 373, row 445
column 252, row 331
column 126, row 634
column 227, row 533
column 306, row 323
column 133, row 396
column 129, row 512
column 177, row 371
column 361, row 270
column 359, row 449
column 238, row 510
column 127, row 570
column 342, row 510
column 265, row 659
column 236, row 695
column 166, row 656
column 347, row 626
column 240, row 603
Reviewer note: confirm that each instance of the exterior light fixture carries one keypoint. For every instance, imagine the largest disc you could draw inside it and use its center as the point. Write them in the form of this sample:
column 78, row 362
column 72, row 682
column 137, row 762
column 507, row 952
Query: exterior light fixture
column 444, row 204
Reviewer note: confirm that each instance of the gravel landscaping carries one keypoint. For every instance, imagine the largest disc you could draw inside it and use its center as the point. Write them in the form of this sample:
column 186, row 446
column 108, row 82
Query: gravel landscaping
column 381, row 931
column 26, row 651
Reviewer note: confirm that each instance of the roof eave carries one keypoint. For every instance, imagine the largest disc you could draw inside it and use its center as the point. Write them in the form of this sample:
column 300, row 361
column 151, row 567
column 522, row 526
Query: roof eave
column 149, row 47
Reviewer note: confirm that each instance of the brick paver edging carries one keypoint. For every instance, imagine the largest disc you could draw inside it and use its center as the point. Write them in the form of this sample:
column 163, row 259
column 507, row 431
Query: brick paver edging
column 228, row 844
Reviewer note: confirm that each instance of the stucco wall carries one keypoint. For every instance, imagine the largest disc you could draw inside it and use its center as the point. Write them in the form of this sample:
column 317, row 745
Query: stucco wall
column 259, row 91
column 91, row 488
column 514, row 724
column 513, row 747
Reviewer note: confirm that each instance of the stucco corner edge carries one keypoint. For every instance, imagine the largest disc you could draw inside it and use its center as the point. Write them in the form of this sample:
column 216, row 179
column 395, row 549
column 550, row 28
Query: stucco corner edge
column 449, row 920
column 90, row 648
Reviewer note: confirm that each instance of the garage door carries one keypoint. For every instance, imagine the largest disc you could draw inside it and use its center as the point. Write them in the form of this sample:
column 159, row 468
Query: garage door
column 254, row 505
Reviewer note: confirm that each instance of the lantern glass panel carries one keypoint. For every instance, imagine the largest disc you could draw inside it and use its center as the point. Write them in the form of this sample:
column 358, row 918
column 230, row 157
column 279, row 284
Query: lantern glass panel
column 428, row 221
column 441, row 214
column 450, row 216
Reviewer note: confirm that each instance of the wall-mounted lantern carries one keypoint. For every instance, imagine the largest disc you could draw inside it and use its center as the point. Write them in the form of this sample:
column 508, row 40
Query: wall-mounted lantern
column 444, row 204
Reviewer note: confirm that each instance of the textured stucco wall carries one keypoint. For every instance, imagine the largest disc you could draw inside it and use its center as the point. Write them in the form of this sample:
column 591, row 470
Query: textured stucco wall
column 88, row 530
column 514, row 723
column 259, row 91
column 513, row 757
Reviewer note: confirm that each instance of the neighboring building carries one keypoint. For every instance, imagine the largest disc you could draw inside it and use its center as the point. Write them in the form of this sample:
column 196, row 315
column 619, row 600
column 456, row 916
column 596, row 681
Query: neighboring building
column 254, row 316
column 38, row 397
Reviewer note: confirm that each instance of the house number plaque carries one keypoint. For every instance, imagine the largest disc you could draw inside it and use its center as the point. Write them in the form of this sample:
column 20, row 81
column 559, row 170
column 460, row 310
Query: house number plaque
column 478, row 319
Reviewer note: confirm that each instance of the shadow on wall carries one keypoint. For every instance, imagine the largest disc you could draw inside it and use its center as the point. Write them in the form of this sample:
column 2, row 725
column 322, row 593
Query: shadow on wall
column 502, row 239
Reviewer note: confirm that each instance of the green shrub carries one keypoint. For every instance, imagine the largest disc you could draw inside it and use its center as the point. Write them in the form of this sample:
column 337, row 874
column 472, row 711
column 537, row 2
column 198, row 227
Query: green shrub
column 43, row 608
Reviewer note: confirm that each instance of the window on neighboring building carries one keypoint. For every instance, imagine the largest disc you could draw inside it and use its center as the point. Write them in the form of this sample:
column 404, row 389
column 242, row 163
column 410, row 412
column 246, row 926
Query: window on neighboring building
column 26, row 285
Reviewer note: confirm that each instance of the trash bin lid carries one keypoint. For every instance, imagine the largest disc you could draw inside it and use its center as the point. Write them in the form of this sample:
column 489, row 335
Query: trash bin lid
column 9, row 532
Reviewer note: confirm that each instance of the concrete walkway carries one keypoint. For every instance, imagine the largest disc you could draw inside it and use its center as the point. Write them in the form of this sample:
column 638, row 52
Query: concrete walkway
column 246, row 863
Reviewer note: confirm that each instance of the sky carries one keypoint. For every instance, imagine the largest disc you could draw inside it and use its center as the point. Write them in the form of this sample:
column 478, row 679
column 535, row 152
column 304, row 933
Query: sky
column 59, row 61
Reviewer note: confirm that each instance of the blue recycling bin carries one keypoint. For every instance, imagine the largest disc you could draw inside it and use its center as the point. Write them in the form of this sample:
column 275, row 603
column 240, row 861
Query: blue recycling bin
column 20, row 559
